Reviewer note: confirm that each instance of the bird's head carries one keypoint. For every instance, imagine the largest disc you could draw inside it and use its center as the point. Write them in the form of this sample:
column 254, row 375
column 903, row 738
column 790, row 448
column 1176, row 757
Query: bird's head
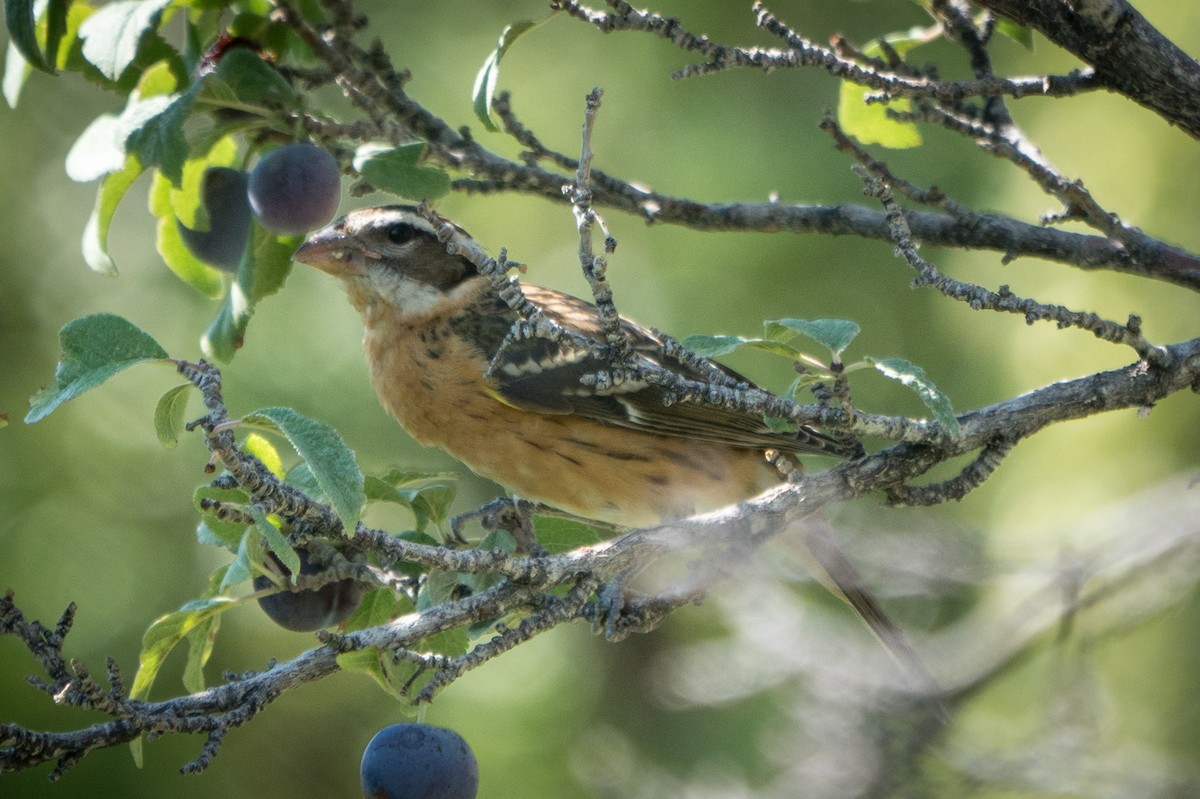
column 388, row 253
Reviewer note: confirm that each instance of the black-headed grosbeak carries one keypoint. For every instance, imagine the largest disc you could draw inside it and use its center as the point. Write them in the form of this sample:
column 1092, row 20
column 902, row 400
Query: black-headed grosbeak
column 434, row 326
column 618, row 454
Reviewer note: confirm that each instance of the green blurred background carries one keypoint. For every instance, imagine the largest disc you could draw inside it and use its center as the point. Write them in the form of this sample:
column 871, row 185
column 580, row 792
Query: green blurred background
column 94, row 510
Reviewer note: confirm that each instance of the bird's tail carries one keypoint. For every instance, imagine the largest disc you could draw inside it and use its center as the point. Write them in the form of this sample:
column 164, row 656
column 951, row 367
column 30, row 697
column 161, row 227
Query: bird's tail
column 838, row 574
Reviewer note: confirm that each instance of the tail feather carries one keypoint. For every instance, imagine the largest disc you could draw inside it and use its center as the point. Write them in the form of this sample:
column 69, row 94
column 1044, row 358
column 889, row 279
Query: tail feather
column 843, row 580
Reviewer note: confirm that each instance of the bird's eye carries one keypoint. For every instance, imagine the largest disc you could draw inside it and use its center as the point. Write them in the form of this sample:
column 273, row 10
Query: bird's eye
column 400, row 233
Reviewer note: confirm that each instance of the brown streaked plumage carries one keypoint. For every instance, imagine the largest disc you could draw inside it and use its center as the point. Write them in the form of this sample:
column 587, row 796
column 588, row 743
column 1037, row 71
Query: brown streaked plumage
column 433, row 326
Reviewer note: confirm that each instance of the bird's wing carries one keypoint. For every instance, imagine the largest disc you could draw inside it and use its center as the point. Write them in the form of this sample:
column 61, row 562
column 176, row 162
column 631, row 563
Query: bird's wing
column 542, row 375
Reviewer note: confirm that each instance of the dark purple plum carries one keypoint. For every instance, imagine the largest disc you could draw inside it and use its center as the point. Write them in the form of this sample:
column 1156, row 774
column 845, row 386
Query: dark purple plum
column 224, row 196
column 416, row 761
column 295, row 188
column 308, row 611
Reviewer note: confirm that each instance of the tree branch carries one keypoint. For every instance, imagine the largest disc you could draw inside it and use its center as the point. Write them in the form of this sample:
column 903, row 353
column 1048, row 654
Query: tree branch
column 1128, row 54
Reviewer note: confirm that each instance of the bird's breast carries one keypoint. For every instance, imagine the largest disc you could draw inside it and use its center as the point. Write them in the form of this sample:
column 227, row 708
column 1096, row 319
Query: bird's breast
column 432, row 381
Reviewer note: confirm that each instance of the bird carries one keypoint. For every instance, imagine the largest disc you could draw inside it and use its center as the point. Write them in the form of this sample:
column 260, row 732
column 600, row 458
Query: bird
column 618, row 454
column 516, row 410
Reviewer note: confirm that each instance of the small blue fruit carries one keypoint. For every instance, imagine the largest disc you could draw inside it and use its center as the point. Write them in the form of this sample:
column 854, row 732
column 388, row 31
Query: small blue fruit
column 224, row 196
column 308, row 611
column 295, row 188
column 416, row 761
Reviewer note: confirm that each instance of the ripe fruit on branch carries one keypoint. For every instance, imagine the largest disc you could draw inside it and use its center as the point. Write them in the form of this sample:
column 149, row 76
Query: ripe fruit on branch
column 295, row 188
column 416, row 761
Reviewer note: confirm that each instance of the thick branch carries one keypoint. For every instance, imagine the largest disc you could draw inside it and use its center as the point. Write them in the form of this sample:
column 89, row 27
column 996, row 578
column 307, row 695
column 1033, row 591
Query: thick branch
column 1129, row 54
column 492, row 173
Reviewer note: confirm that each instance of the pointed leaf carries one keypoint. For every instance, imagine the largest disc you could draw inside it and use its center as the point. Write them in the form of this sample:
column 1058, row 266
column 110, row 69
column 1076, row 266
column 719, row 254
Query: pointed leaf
column 836, row 334
column 94, row 349
column 1020, row 34
column 112, row 35
column 242, row 567
column 915, row 378
column 276, row 541
column 379, row 667
column 213, row 531
column 485, row 80
column 16, row 73
column 186, row 199
column 159, row 141
column 100, row 149
column 377, row 607
column 714, row 346
column 175, row 254
column 265, row 451
column 562, row 535
column 202, row 638
column 264, row 268
column 779, row 424
column 165, row 633
column 870, row 122
column 332, row 462
column 95, row 233
column 168, row 414
column 244, row 74
column 397, row 170
column 21, row 17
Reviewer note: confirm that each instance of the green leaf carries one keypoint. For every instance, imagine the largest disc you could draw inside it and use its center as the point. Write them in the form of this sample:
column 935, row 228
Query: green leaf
column 166, row 632
column 562, row 535
column 331, row 461
column 714, row 346
column 186, row 198
column 112, row 35
column 1020, row 34
column 175, row 254
column 202, row 638
column 265, row 451
column 16, row 72
column 427, row 494
column 265, row 266
column 485, row 80
column 450, row 643
column 21, row 18
column 21, row 21
column 251, row 80
column 249, row 555
column 377, row 665
column 439, row 587
column 159, row 141
column 95, row 234
column 779, row 424
column 99, row 150
column 301, row 477
column 496, row 539
column 377, row 607
column 94, row 349
column 914, row 377
column 397, row 170
column 213, row 531
column 56, row 28
column 168, row 414
column 870, row 123
column 276, row 541
column 836, row 334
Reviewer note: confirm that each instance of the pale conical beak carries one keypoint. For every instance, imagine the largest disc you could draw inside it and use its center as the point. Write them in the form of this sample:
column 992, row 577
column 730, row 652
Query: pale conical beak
column 331, row 251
